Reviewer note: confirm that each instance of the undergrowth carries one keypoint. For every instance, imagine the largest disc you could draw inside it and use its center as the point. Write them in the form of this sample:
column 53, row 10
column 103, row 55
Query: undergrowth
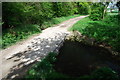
column 13, row 35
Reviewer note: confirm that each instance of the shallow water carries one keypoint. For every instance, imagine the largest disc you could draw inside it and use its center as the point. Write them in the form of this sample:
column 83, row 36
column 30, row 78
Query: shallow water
column 77, row 59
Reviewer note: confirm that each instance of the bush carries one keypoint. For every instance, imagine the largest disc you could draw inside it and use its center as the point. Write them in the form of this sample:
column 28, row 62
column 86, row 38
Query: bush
column 96, row 15
column 63, row 9
column 97, row 12
column 43, row 68
column 25, row 13
column 84, row 8
column 104, row 73
column 11, row 36
column 12, row 13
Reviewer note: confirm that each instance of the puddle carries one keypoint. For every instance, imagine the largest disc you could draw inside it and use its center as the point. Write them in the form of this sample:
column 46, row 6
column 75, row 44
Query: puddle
column 78, row 59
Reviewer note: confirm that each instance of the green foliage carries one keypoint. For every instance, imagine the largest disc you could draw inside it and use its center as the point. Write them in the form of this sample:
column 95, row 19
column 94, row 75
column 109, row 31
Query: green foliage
column 34, row 13
column 44, row 69
column 26, row 13
column 12, row 13
column 41, row 12
column 96, row 15
column 105, row 73
column 63, row 8
column 118, row 5
column 84, row 8
column 107, row 30
column 97, row 12
column 81, row 25
column 41, row 69
column 13, row 35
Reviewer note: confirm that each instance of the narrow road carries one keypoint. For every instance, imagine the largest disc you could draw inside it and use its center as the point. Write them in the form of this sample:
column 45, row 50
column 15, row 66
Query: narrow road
column 34, row 48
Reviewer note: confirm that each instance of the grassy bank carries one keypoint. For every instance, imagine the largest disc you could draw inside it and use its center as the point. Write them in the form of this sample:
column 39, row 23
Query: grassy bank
column 12, row 35
column 107, row 30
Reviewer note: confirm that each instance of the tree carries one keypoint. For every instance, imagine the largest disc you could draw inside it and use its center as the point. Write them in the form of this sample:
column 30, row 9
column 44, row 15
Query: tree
column 118, row 5
column 84, row 8
column 105, row 8
column 63, row 9
column 98, row 10
column 25, row 13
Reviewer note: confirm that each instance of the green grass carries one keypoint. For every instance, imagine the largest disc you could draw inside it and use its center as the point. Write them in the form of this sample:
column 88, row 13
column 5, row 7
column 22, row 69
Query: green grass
column 80, row 25
column 107, row 30
column 13, row 35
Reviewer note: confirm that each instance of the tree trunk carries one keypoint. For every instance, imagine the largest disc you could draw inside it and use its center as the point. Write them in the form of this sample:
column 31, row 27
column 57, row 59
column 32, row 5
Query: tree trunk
column 119, row 11
column 105, row 9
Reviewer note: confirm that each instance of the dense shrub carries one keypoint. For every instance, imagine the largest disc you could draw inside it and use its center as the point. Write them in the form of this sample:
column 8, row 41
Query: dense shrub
column 11, row 36
column 12, row 13
column 97, row 12
column 84, row 8
column 96, row 15
column 26, row 13
column 63, row 8
column 104, row 73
